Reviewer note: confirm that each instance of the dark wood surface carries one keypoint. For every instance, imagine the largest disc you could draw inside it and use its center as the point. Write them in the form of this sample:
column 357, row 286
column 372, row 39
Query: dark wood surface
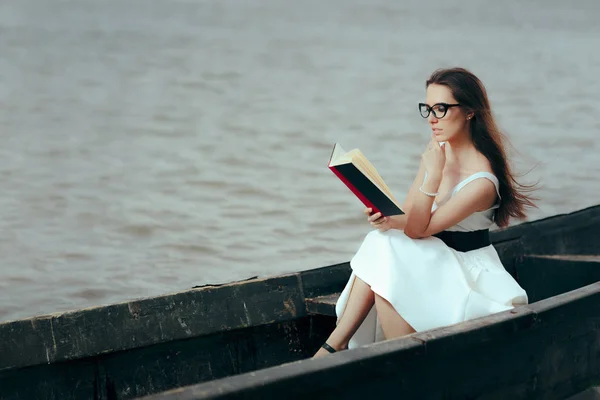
column 145, row 370
column 547, row 350
column 196, row 312
column 322, row 305
column 546, row 276
column 325, row 280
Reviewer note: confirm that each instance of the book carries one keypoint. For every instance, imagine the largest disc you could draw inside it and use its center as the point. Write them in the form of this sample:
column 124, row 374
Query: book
column 361, row 177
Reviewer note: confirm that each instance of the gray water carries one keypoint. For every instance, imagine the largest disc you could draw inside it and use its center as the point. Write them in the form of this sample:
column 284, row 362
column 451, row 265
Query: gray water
column 150, row 146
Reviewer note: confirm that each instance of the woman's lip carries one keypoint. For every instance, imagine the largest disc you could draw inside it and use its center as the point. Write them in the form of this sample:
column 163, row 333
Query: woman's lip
column 436, row 131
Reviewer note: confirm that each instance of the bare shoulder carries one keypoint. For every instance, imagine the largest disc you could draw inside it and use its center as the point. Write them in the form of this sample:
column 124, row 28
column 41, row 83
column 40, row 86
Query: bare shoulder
column 482, row 164
column 484, row 189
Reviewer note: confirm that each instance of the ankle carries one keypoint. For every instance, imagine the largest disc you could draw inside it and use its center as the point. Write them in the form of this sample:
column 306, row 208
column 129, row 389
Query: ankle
column 338, row 345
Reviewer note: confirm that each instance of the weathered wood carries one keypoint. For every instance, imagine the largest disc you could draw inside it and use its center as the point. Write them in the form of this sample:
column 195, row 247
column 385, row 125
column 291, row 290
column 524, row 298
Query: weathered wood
column 574, row 233
column 510, row 253
column 573, row 222
column 74, row 380
column 546, row 276
column 323, row 375
column 326, row 280
column 84, row 333
column 592, row 393
column 142, row 371
column 323, row 305
column 548, row 350
column 568, row 257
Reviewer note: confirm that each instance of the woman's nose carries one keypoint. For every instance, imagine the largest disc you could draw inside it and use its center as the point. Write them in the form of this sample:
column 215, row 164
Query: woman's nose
column 431, row 118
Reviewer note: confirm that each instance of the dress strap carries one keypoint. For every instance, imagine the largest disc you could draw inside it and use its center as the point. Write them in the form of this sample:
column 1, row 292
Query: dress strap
column 479, row 175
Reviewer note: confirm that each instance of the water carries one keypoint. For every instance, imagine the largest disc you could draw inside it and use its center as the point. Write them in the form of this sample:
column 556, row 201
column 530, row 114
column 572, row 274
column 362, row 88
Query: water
column 150, row 146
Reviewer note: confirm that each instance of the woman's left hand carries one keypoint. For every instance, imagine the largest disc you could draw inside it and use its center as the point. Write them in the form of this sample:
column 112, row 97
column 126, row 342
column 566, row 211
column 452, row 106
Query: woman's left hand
column 379, row 222
column 434, row 157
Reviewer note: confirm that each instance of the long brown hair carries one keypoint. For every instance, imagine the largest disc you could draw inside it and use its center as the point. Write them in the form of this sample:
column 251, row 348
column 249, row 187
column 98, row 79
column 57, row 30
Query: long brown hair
column 470, row 93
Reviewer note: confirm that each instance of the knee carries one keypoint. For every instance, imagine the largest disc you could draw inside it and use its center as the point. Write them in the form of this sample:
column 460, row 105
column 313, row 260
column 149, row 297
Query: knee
column 362, row 283
column 380, row 300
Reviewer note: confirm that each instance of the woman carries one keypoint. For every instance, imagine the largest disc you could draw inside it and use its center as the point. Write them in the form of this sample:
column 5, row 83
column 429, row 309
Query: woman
column 435, row 266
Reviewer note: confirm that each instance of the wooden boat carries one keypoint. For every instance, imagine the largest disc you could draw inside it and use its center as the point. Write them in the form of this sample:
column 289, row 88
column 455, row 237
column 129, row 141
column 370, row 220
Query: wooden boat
column 253, row 339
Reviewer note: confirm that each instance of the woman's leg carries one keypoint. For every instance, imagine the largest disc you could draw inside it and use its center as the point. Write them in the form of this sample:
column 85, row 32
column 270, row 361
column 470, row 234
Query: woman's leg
column 360, row 302
column 392, row 324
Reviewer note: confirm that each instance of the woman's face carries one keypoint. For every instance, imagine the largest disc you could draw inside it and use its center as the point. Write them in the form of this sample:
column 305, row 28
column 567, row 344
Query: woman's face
column 450, row 125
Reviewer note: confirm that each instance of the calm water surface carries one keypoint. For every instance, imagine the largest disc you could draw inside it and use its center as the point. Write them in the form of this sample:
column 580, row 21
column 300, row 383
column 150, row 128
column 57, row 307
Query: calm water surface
column 150, row 146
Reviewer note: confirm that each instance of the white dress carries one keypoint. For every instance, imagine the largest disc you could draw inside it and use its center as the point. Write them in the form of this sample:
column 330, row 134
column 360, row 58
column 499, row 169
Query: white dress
column 428, row 283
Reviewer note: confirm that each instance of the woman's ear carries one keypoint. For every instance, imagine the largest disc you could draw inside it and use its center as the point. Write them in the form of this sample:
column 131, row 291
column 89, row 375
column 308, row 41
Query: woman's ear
column 470, row 115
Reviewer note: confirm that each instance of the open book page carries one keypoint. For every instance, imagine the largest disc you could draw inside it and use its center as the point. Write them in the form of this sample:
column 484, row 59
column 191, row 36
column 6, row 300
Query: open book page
column 370, row 172
column 338, row 155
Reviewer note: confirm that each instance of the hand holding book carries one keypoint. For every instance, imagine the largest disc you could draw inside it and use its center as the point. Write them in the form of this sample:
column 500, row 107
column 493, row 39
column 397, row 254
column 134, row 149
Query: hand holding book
column 378, row 221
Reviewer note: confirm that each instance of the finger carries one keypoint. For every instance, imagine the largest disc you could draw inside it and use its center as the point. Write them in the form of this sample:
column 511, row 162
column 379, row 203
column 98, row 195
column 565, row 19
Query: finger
column 368, row 210
column 376, row 222
column 375, row 217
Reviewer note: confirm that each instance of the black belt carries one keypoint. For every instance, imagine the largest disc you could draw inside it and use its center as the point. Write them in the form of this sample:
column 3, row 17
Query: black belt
column 465, row 241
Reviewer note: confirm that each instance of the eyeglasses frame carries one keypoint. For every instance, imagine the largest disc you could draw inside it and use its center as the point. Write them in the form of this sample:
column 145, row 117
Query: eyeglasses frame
column 430, row 109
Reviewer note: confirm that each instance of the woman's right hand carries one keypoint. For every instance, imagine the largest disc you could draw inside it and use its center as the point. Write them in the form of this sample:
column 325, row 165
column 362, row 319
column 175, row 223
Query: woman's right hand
column 434, row 157
column 378, row 221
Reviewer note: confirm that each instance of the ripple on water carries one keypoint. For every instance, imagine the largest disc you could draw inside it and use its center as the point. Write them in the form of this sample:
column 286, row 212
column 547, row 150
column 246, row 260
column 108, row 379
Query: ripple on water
column 205, row 159
column 139, row 230
column 92, row 294
column 195, row 248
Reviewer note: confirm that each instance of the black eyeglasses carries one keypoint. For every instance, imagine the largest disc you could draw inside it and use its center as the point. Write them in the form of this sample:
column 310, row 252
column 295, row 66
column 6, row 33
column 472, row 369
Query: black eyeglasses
column 439, row 109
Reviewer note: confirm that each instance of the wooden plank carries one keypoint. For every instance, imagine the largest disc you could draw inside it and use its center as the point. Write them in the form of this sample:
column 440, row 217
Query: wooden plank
column 323, row 373
column 546, row 276
column 61, row 381
column 323, row 305
column 326, row 280
column 572, row 221
column 165, row 366
column 374, row 366
column 588, row 394
column 550, row 349
column 510, row 254
column 89, row 332
column 577, row 233
column 569, row 257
